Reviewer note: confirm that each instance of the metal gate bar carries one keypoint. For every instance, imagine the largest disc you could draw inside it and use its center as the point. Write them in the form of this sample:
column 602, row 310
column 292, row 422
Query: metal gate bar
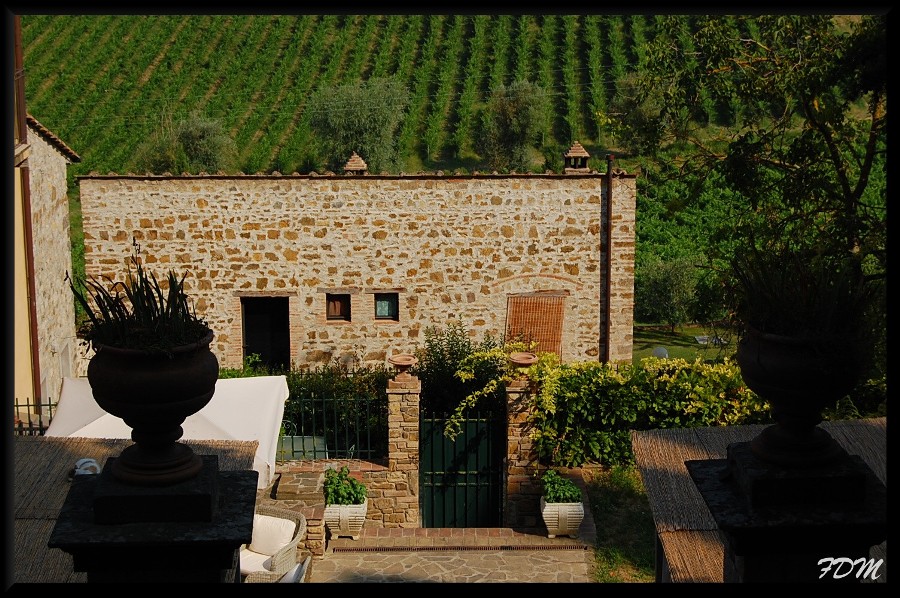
column 460, row 479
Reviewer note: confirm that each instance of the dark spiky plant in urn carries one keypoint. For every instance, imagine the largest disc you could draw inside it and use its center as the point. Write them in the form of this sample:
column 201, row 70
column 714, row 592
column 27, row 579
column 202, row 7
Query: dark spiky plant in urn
column 800, row 314
column 152, row 366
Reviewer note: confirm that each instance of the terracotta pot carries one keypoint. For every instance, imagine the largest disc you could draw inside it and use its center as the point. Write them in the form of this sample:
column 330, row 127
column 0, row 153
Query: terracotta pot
column 523, row 359
column 402, row 362
column 799, row 378
column 154, row 393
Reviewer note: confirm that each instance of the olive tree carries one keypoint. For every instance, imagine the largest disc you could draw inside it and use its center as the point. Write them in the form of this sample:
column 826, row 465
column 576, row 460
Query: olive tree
column 193, row 144
column 361, row 117
column 511, row 124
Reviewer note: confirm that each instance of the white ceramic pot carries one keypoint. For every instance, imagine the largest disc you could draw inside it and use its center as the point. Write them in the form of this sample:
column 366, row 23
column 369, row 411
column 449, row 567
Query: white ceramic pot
column 346, row 520
column 562, row 518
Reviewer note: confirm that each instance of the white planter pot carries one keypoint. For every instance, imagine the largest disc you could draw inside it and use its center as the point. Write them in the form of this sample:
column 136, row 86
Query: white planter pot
column 562, row 518
column 346, row 520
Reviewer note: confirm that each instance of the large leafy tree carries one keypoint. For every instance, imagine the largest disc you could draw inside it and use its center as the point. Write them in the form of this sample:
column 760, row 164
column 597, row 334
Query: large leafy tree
column 806, row 157
column 511, row 124
column 192, row 144
column 361, row 117
column 808, row 151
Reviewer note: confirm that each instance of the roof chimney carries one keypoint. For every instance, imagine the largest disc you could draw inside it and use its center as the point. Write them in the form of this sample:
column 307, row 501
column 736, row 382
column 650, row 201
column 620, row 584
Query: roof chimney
column 355, row 165
column 576, row 160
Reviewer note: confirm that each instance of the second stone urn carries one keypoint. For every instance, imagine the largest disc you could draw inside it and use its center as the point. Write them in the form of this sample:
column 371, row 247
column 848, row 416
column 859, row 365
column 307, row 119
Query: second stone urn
column 402, row 362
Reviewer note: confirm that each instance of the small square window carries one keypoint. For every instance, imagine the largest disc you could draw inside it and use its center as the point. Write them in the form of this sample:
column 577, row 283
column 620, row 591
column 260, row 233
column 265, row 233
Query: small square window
column 387, row 306
column 337, row 307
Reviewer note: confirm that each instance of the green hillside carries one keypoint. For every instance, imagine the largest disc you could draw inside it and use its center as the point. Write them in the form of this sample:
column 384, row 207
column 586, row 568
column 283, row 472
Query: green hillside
column 775, row 118
column 102, row 82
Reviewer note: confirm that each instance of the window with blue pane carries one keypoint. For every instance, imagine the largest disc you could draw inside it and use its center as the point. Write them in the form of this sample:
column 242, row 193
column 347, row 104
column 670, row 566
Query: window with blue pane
column 387, row 306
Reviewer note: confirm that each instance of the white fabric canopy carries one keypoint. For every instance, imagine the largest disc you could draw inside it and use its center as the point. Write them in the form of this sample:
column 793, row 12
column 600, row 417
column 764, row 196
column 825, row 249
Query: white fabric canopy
column 241, row 409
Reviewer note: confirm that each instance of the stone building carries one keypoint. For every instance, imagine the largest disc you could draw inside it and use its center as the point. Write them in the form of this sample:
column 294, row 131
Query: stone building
column 47, row 258
column 310, row 268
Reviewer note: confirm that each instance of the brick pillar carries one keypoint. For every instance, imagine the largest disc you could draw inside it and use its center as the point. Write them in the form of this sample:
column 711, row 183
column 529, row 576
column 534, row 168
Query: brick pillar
column 315, row 530
column 403, row 394
column 522, row 490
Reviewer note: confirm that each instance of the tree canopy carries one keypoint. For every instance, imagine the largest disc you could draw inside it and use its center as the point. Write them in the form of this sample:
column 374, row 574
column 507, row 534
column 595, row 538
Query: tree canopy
column 511, row 123
column 361, row 117
column 803, row 166
column 807, row 151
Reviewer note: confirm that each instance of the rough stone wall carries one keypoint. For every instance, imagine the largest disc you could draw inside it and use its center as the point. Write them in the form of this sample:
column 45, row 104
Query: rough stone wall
column 452, row 248
column 621, row 283
column 521, row 491
column 57, row 344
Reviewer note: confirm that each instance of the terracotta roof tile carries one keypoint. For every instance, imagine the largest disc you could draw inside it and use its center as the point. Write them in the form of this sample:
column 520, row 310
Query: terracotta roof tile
column 577, row 151
column 355, row 164
column 52, row 139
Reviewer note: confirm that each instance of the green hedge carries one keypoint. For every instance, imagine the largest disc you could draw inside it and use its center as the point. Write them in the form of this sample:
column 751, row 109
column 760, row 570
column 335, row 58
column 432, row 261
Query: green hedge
column 584, row 412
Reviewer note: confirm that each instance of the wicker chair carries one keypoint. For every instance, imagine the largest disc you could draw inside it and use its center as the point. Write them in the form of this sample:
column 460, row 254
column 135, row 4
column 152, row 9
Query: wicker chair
column 271, row 568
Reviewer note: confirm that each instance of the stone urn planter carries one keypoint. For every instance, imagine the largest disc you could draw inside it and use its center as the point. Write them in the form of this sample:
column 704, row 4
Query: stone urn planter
column 561, row 505
column 152, row 366
column 799, row 378
column 346, row 520
column 801, row 316
column 562, row 518
column 154, row 393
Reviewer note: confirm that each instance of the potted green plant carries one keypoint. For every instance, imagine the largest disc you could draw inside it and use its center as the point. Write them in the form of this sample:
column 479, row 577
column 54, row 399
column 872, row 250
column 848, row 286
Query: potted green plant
column 346, row 503
column 152, row 366
column 799, row 313
column 562, row 508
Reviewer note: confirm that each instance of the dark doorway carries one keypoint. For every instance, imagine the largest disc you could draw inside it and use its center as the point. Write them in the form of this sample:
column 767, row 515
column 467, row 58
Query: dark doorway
column 266, row 331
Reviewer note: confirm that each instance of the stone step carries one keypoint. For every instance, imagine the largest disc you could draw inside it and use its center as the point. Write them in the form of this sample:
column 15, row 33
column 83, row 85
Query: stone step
column 300, row 486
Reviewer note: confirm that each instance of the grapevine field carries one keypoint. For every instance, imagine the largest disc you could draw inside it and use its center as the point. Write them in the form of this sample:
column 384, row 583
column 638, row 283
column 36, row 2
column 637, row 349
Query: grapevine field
column 103, row 82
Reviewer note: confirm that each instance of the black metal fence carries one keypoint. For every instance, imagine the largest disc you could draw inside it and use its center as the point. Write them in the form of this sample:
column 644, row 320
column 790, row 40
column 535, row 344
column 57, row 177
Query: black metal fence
column 333, row 413
column 32, row 419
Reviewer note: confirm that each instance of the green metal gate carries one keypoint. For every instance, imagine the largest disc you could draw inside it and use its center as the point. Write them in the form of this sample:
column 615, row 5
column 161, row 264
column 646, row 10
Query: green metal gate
column 460, row 480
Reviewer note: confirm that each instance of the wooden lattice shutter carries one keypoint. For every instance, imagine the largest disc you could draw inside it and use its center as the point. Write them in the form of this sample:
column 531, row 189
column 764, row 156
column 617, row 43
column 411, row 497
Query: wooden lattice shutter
column 537, row 317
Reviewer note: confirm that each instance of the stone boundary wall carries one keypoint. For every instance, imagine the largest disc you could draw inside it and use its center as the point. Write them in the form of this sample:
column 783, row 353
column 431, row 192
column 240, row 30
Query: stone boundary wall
column 453, row 248
column 392, row 486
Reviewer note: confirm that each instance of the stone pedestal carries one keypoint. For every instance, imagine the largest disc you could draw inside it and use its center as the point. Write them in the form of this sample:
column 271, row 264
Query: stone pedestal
column 191, row 500
column 522, row 490
column 187, row 532
column 403, row 395
column 793, row 524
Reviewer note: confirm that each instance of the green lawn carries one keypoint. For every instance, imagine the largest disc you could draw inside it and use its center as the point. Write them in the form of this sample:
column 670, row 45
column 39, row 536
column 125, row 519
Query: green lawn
column 682, row 343
column 625, row 550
